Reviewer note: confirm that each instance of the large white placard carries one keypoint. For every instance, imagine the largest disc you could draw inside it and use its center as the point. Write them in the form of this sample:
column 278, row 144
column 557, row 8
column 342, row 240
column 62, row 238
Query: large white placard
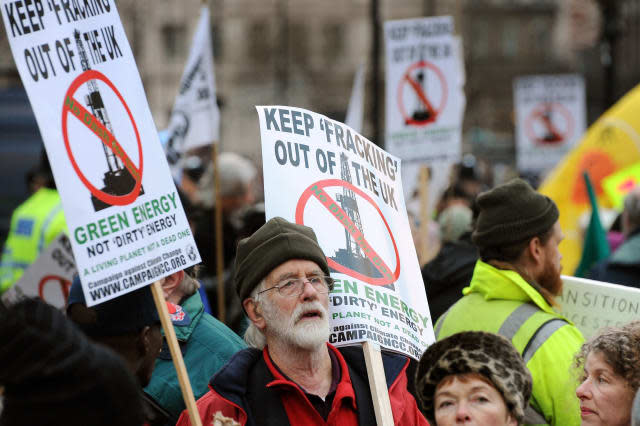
column 126, row 223
column 424, row 90
column 550, row 119
column 49, row 277
column 321, row 173
column 591, row 305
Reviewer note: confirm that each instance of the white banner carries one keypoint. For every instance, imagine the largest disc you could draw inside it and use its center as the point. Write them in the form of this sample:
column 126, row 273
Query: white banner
column 355, row 112
column 126, row 223
column 550, row 119
column 424, row 90
column 323, row 174
column 195, row 118
column 591, row 305
column 49, row 277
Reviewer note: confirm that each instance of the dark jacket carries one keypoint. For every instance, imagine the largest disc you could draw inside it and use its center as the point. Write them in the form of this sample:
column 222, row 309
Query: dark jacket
column 252, row 392
column 447, row 274
column 623, row 266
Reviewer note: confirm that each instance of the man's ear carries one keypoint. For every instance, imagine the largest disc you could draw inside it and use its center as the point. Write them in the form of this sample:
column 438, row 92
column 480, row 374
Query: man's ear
column 171, row 282
column 254, row 312
column 144, row 341
column 536, row 251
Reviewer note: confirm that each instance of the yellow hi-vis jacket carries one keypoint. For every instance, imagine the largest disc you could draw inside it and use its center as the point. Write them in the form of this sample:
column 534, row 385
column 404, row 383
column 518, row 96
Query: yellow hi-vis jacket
column 34, row 224
column 501, row 301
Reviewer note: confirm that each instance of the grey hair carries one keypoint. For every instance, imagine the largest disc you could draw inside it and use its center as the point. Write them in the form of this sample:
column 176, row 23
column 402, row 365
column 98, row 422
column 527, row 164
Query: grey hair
column 632, row 208
column 253, row 336
column 236, row 173
column 189, row 285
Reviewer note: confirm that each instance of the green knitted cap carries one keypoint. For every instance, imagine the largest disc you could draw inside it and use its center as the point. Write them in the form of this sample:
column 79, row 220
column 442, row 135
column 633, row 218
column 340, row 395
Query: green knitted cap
column 512, row 213
column 276, row 242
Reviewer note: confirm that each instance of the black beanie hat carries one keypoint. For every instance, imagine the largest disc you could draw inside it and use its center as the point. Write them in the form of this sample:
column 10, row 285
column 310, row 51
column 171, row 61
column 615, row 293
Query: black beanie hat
column 53, row 374
column 128, row 313
column 487, row 354
column 512, row 213
column 274, row 243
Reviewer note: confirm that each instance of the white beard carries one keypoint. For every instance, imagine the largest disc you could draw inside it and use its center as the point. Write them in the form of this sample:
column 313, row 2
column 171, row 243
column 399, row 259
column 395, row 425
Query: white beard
column 308, row 334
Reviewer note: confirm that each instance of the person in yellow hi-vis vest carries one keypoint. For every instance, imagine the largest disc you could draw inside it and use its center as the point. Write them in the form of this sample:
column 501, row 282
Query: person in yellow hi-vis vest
column 34, row 224
column 512, row 292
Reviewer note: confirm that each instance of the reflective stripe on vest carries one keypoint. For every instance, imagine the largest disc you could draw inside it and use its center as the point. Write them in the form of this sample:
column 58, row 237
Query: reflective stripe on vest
column 510, row 328
column 45, row 226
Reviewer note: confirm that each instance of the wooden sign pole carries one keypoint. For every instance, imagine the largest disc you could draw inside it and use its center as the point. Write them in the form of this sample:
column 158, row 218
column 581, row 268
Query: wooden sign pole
column 176, row 354
column 378, row 384
column 423, row 189
column 219, row 239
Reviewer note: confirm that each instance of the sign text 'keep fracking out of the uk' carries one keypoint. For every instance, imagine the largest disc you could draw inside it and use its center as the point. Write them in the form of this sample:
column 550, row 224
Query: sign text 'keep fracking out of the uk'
column 126, row 223
column 323, row 174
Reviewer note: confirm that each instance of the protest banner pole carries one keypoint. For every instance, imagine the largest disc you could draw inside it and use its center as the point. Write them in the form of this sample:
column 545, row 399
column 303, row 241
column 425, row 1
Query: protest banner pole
column 424, row 214
column 176, row 354
column 218, row 227
column 378, row 384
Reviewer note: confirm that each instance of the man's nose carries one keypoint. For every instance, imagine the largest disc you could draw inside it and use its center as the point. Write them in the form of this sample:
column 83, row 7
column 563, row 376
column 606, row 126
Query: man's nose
column 308, row 290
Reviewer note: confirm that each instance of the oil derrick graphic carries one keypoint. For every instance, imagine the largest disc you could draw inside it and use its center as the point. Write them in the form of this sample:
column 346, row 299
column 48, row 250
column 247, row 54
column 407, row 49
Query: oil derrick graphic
column 423, row 110
column 117, row 179
column 551, row 134
column 352, row 257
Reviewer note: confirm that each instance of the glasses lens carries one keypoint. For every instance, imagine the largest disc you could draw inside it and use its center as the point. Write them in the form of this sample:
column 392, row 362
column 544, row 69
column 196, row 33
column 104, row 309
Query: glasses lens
column 294, row 287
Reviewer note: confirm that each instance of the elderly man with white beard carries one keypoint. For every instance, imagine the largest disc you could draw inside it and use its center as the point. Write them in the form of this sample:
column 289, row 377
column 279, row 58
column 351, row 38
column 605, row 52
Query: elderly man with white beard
column 291, row 374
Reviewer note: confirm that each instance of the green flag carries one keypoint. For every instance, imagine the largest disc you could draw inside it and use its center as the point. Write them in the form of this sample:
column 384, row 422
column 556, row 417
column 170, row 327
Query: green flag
column 596, row 246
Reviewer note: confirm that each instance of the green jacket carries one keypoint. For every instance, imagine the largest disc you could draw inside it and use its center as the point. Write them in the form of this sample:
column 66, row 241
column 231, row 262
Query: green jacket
column 34, row 224
column 501, row 301
column 206, row 344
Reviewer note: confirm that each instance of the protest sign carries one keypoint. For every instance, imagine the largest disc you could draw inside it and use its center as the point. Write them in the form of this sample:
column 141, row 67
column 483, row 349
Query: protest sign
column 550, row 119
column 425, row 100
column 126, row 223
column 195, row 118
column 591, row 305
column 321, row 173
column 49, row 277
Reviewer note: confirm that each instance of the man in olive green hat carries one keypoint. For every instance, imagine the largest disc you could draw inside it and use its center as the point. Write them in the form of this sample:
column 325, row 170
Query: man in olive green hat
column 291, row 374
column 512, row 291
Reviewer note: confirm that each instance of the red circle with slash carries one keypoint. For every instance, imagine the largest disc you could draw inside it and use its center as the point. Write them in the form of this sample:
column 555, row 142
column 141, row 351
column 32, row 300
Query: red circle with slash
column 552, row 134
column 75, row 108
column 317, row 190
column 407, row 79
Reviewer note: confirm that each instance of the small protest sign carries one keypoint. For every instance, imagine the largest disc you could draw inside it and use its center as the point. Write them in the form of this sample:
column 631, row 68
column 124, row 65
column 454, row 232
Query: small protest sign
column 126, row 223
column 425, row 98
column 550, row 119
column 591, row 305
column 323, row 174
column 49, row 277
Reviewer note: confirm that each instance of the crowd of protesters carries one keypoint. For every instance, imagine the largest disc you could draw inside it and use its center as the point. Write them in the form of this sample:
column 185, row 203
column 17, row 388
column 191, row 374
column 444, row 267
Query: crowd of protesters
column 503, row 355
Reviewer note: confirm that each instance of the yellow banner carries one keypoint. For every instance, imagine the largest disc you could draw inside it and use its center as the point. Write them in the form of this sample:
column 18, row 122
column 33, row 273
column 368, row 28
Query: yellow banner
column 611, row 144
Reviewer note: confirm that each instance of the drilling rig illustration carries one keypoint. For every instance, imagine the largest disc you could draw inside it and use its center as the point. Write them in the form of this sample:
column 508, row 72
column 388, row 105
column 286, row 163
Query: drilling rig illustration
column 352, row 257
column 117, row 179
column 423, row 111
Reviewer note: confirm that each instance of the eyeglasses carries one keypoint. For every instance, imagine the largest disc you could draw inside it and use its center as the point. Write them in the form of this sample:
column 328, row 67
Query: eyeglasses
column 293, row 286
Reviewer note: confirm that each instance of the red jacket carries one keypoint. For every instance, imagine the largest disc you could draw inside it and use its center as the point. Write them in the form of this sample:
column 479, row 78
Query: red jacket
column 250, row 380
